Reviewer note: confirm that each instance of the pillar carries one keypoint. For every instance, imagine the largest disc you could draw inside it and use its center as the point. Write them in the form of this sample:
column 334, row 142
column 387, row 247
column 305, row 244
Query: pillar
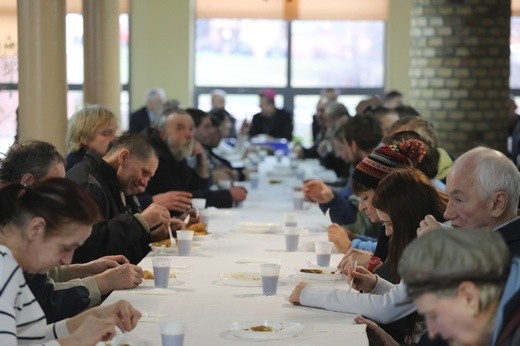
column 161, row 49
column 459, row 70
column 101, row 53
column 42, row 71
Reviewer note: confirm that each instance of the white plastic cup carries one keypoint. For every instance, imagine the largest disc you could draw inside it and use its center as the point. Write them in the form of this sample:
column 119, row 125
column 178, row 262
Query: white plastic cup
column 184, row 240
column 198, row 203
column 298, row 200
column 323, row 250
column 270, row 273
column 292, row 238
column 290, row 219
column 172, row 333
column 161, row 271
column 254, row 180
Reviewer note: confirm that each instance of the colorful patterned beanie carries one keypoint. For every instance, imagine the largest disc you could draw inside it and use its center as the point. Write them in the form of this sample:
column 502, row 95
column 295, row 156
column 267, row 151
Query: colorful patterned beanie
column 382, row 161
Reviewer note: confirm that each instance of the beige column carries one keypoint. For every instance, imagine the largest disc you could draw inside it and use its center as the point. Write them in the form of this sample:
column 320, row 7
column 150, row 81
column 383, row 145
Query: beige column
column 397, row 76
column 101, row 53
column 42, row 71
column 161, row 49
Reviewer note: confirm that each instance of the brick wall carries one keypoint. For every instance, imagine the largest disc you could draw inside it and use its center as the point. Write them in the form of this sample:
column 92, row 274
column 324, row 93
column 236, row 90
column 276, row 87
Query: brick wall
column 459, row 70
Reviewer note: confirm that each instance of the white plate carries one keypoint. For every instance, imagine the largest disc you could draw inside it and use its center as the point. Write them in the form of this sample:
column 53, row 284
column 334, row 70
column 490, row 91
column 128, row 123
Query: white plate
column 281, row 330
column 171, row 283
column 171, row 250
column 124, row 339
column 241, row 279
column 326, row 274
column 258, row 227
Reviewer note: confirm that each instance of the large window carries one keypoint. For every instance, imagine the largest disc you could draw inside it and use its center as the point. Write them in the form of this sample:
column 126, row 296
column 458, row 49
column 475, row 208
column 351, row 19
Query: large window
column 74, row 51
column 297, row 58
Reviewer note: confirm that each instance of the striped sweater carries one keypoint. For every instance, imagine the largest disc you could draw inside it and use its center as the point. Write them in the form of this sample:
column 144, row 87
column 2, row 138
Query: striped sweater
column 22, row 321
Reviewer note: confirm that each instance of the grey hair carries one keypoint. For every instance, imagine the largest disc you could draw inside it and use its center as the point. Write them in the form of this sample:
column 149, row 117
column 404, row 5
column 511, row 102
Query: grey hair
column 494, row 172
column 153, row 93
column 161, row 123
column 336, row 110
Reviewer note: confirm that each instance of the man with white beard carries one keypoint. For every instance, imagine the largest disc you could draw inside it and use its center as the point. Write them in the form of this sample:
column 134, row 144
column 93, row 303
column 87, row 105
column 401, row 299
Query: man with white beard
column 175, row 182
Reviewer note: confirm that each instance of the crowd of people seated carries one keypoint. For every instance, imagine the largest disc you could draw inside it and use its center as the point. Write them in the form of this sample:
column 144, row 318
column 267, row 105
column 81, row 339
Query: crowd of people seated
column 429, row 240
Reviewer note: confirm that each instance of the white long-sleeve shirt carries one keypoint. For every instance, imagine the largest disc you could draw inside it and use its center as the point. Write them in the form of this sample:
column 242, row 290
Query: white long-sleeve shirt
column 380, row 305
column 22, row 321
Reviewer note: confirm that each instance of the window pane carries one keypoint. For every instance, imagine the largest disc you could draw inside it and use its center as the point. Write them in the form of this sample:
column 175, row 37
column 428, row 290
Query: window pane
column 514, row 76
column 8, row 105
column 240, row 106
column 241, row 52
column 346, row 54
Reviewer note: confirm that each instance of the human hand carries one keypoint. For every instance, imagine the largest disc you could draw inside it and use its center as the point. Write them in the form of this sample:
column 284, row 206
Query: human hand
column 324, row 148
column 339, row 237
column 317, row 191
column 362, row 279
column 428, row 224
column 176, row 224
column 245, row 127
column 351, row 256
column 375, row 332
column 198, row 151
column 122, row 277
column 97, row 266
column 91, row 331
column 194, row 216
column 238, row 193
column 124, row 314
column 174, row 200
column 156, row 216
column 294, row 298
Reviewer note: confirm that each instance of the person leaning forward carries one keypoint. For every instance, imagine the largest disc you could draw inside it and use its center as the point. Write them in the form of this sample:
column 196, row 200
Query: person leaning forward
column 112, row 180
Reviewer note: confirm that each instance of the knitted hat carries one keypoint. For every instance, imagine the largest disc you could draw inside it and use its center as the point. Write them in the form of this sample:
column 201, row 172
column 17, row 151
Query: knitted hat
column 382, row 161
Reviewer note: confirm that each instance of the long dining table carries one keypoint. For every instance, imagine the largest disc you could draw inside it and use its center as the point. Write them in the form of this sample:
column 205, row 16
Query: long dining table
column 208, row 293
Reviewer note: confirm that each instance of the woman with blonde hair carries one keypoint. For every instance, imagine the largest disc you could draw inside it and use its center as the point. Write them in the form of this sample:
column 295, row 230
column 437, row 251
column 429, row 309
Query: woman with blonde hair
column 91, row 128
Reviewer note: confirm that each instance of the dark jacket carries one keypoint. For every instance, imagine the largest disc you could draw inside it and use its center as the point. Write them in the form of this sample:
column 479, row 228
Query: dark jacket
column 511, row 236
column 173, row 175
column 120, row 233
column 139, row 121
column 57, row 304
column 280, row 125
column 74, row 157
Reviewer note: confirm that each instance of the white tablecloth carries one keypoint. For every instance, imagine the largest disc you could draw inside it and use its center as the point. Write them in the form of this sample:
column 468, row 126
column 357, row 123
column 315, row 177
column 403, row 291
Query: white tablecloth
column 208, row 307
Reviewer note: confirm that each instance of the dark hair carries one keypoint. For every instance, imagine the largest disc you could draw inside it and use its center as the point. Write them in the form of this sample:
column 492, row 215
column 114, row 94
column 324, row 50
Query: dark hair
column 429, row 165
column 407, row 196
column 406, row 111
column 137, row 145
column 32, row 156
column 364, row 129
column 57, row 200
column 217, row 116
column 392, row 94
column 197, row 115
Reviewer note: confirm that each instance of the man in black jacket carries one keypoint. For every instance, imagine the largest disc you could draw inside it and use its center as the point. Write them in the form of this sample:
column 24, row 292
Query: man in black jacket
column 112, row 180
column 174, row 143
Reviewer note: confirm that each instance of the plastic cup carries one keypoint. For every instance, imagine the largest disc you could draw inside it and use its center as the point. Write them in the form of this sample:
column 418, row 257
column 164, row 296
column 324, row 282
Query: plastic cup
column 292, row 237
column 290, row 219
column 172, row 333
column 198, row 203
column 161, row 271
column 254, row 179
column 270, row 273
column 184, row 240
column 323, row 250
column 298, row 200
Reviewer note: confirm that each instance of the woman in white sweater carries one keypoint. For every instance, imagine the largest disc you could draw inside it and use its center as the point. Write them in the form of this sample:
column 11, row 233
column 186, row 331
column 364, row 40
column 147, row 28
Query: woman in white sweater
column 40, row 227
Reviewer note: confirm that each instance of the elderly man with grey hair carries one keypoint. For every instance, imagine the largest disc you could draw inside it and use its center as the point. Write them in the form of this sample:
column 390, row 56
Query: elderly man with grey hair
column 141, row 119
column 483, row 189
column 465, row 285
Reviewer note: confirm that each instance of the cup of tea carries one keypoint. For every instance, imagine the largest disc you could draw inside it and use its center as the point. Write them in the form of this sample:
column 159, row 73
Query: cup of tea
column 184, row 240
column 198, row 203
column 161, row 271
column 172, row 333
column 270, row 273
column 323, row 250
column 292, row 238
